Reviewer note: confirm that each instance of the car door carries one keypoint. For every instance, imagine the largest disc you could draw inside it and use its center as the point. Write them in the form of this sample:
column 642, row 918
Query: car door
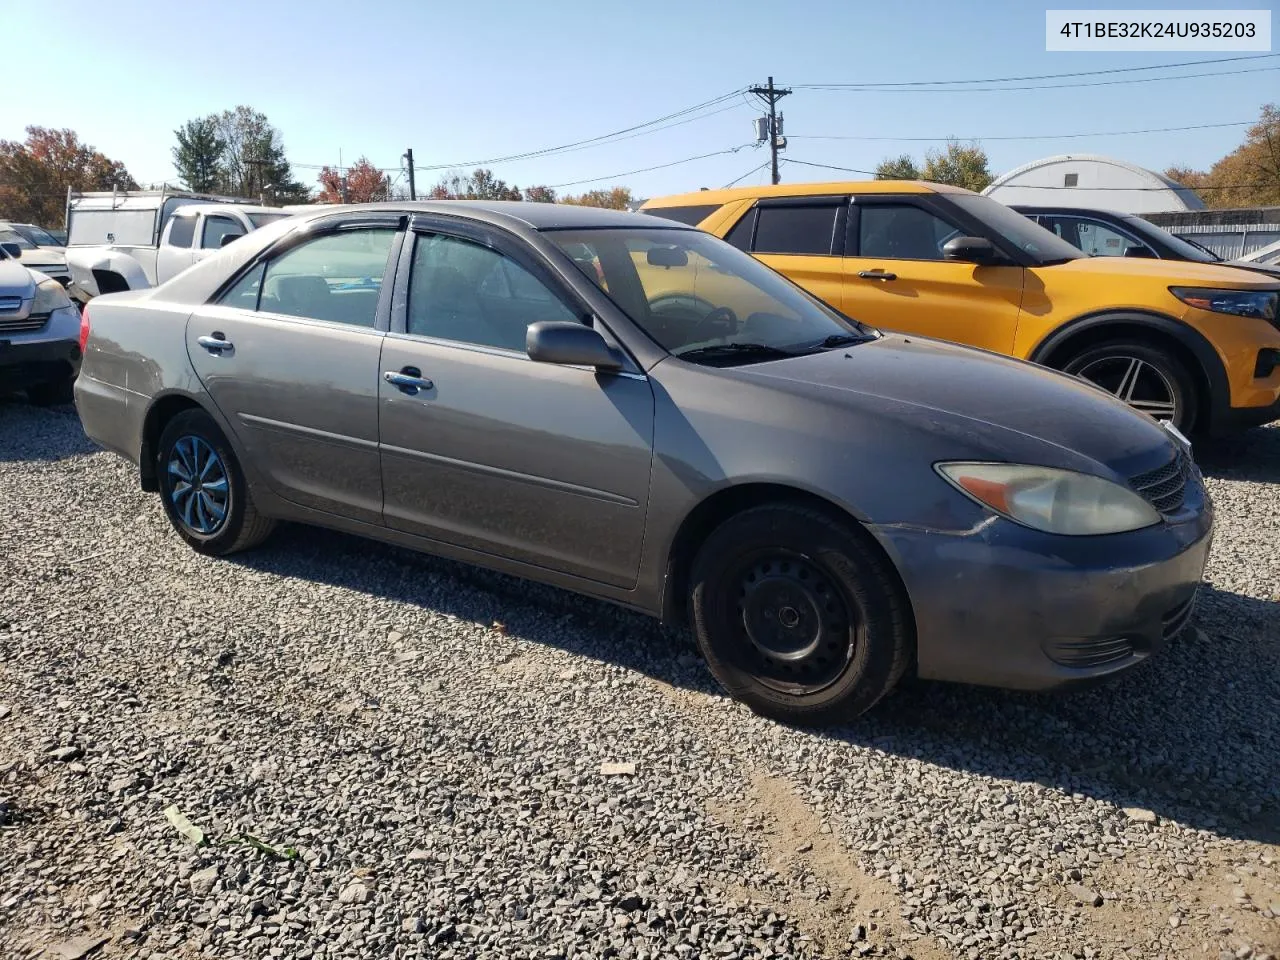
column 800, row 237
column 176, row 246
column 897, row 279
column 483, row 447
column 289, row 354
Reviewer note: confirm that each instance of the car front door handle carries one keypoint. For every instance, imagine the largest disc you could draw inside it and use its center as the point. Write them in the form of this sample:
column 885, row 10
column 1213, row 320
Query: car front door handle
column 877, row 275
column 216, row 343
column 410, row 380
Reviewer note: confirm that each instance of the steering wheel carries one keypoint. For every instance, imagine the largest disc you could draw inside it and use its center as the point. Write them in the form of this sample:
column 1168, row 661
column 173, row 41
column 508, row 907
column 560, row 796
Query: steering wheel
column 720, row 317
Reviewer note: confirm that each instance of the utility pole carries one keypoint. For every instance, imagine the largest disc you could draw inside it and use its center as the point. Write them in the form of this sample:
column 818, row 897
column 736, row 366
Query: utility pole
column 772, row 95
column 408, row 159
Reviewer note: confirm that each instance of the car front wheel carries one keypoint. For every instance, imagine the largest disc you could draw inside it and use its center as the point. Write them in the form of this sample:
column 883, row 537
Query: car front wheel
column 203, row 488
column 799, row 615
column 1143, row 375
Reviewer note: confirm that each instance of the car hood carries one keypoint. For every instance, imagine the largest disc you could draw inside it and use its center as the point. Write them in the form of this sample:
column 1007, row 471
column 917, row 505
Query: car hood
column 16, row 281
column 1269, row 269
column 1168, row 272
column 982, row 397
column 44, row 257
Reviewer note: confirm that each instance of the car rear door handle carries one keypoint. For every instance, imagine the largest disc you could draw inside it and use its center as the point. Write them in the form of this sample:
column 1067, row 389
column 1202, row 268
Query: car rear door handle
column 877, row 275
column 410, row 380
column 216, row 343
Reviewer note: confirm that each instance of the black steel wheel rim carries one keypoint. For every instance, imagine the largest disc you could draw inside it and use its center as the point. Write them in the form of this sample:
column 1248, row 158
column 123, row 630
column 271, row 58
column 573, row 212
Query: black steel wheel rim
column 199, row 487
column 799, row 630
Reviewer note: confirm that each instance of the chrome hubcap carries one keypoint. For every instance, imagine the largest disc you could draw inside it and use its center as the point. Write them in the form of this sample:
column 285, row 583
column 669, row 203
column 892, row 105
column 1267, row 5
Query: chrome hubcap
column 1136, row 382
column 198, row 485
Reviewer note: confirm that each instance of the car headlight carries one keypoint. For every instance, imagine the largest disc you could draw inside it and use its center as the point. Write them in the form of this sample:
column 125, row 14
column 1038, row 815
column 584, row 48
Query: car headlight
column 50, row 296
column 1242, row 303
column 1051, row 500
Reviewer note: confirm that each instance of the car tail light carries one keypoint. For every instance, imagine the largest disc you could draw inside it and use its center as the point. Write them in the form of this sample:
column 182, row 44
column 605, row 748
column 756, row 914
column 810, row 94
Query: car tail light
column 84, row 327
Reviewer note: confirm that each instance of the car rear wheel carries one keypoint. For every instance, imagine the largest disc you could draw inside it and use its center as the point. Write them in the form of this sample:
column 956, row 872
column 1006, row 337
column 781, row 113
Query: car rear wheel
column 52, row 393
column 1143, row 375
column 799, row 615
column 203, row 488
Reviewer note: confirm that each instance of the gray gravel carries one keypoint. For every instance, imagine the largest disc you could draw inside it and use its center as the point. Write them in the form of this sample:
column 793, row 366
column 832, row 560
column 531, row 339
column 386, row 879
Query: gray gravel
column 389, row 755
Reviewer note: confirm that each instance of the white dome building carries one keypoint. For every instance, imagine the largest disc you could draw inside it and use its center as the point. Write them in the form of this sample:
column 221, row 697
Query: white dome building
column 1088, row 180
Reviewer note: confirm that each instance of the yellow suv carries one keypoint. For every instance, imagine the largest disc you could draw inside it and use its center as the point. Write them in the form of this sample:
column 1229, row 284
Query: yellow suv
column 1198, row 344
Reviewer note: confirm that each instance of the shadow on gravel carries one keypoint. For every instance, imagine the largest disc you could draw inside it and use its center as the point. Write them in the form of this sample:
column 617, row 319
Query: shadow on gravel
column 1253, row 455
column 40, row 433
column 1190, row 735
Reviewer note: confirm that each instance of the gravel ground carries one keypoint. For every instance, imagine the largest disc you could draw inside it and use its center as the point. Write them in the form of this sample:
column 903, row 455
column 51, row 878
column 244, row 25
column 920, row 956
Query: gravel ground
column 389, row 755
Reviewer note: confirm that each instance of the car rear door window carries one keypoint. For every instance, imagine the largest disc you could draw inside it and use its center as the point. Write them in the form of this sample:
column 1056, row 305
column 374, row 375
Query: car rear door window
column 336, row 277
column 902, row 231
column 182, row 232
column 802, row 230
column 215, row 228
column 469, row 293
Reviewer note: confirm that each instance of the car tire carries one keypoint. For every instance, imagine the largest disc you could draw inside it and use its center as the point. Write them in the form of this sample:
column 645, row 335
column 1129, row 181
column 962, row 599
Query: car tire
column 52, row 393
column 215, row 515
column 799, row 615
column 1147, row 371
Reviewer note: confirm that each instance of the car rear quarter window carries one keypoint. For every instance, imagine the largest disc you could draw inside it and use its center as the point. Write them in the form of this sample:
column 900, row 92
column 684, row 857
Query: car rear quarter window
column 182, row 231
column 803, row 230
column 691, row 215
column 740, row 235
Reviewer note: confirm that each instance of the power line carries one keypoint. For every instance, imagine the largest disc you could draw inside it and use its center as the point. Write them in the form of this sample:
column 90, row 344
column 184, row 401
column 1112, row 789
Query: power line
column 660, row 166
column 849, row 88
column 1042, row 136
column 828, row 166
column 1041, row 76
column 747, row 174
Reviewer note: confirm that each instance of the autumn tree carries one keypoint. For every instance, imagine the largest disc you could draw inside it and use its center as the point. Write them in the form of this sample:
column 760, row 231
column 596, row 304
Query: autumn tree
column 615, row 198
column 35, row 174
column 198, row 155
column 362, row 183
column 480, row 185
column 897, row 168
column 1249, row 176
column 540, row 194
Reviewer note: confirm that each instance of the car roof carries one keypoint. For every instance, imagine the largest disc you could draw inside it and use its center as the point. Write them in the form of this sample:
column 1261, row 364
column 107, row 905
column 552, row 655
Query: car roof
column 1066, row 208
column 802, row 190
column 509, row 213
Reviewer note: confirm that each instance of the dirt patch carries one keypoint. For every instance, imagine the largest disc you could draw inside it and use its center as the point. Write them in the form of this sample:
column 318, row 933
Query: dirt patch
column 825, row 893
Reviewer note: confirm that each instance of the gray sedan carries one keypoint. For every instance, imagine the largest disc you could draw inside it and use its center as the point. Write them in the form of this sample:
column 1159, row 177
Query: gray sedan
column 634, row 410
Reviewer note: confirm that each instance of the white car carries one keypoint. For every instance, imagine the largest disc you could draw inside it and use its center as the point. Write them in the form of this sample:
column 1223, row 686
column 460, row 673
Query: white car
column 41, row 334
column 47, row 257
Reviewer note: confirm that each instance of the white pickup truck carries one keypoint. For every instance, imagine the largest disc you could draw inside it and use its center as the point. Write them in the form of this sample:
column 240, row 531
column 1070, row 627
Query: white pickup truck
column 134, row 240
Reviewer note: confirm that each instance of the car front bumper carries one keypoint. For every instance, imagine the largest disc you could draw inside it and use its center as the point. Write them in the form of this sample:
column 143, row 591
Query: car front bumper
column 1005, row 606
column 27, row 361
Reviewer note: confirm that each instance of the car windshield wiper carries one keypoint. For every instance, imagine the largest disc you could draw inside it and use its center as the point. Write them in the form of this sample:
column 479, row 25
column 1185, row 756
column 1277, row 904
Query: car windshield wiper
column 841, row 340
column 735, row 351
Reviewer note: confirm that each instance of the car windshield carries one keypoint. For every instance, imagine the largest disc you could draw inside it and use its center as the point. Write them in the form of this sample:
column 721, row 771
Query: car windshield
column 703, row 300
column 262, row 219
column 39, row 235
column 1032, row 239
column 9, row 235
column 1185, row 249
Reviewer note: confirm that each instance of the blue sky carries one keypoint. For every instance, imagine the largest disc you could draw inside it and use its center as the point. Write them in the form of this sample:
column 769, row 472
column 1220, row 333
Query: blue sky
column 467, row 81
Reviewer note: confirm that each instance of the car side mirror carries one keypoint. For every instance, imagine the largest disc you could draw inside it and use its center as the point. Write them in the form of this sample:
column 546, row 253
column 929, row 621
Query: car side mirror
column 978, row 250
column 227, row 238
column 574, row 344
column 12, row 249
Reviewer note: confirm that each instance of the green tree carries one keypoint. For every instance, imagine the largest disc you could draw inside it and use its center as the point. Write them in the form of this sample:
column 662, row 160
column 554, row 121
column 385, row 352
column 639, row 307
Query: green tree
column 251, row 161
column 958, row 165
column 897, row 168
column 35, row 174
column 198, row 155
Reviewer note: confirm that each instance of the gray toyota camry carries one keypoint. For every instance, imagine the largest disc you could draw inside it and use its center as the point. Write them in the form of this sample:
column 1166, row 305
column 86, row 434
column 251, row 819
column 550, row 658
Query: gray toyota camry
column 634, row 410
